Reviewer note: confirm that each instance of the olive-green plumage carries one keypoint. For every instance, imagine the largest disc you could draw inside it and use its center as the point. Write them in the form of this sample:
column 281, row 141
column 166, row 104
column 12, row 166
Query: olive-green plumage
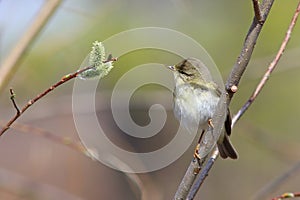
column 195, row 101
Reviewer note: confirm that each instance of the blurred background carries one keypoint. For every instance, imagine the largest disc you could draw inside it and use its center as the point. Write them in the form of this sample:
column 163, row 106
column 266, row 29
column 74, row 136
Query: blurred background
column 38, row 166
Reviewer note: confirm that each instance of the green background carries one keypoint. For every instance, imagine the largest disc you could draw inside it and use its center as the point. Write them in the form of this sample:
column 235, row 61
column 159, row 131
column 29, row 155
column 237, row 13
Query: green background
column 266, row 137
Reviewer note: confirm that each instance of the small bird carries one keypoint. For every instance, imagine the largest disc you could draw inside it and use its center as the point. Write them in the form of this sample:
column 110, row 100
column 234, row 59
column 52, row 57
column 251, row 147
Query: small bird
column 195, row 100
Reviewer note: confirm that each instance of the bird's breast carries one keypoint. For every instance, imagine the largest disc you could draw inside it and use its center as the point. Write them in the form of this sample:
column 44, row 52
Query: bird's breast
column 194, row 106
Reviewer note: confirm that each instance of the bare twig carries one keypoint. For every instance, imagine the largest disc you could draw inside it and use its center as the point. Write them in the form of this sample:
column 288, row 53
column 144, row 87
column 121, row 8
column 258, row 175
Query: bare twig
column 234, row 78
column 245, row 55
column 11, row 63
column 265, row 77
column 274, row 184
column 270, row 69
column 41, row 95
column 44, row 93
column 257, row 11
column 189, row 178
column 12, row 98
column 287, row 195
column 110, row 58
column 202, row 175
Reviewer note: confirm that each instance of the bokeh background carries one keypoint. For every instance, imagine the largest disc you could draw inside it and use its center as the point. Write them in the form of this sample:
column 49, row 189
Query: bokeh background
column 267, row 136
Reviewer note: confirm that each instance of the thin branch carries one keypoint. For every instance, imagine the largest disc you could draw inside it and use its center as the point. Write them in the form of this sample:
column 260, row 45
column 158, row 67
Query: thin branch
column 64, row 79
column 12, row 98
column 246, row 53
column 287, row 195
column 41, row 95
column 262, row 82
column 203, row 175
column 232, row 82
column 252, row 98
column 257, row 11
column 12, row 62
column 274, row 184
column 270, row 69
column 189, row 178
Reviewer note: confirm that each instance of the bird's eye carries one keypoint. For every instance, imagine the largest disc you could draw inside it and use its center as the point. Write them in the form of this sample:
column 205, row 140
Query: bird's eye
column 183, row 72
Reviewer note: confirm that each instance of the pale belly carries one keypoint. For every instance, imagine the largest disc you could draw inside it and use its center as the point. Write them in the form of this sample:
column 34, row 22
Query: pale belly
column 194, row 107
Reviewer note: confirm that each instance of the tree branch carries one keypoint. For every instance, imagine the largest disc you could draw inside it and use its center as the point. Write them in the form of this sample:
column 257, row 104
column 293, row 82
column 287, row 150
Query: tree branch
column 12, row 98
column 257, row 11
column 64, row 79
column 203, row 176
column 270, row 69
column 39, row 96
column 189, row 178
column 277, row 182
column 246, row 53
column 231, row 88
column 287, row 195
column 258, row 89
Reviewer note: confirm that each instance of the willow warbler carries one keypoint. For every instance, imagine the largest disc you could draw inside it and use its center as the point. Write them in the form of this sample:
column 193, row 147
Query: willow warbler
column 195, row 101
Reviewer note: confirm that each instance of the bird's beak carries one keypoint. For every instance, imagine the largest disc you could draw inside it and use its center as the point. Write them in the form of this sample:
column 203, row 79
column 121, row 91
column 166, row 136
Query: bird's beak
column 171, row 67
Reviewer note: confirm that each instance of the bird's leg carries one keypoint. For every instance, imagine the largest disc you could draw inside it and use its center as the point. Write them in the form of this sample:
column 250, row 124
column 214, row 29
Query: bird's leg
column 210, row 123
column 196, row 152
column 210, row 126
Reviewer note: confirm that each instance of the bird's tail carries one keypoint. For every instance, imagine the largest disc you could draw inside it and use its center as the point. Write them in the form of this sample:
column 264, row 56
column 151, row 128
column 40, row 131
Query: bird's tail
column 226, row 149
